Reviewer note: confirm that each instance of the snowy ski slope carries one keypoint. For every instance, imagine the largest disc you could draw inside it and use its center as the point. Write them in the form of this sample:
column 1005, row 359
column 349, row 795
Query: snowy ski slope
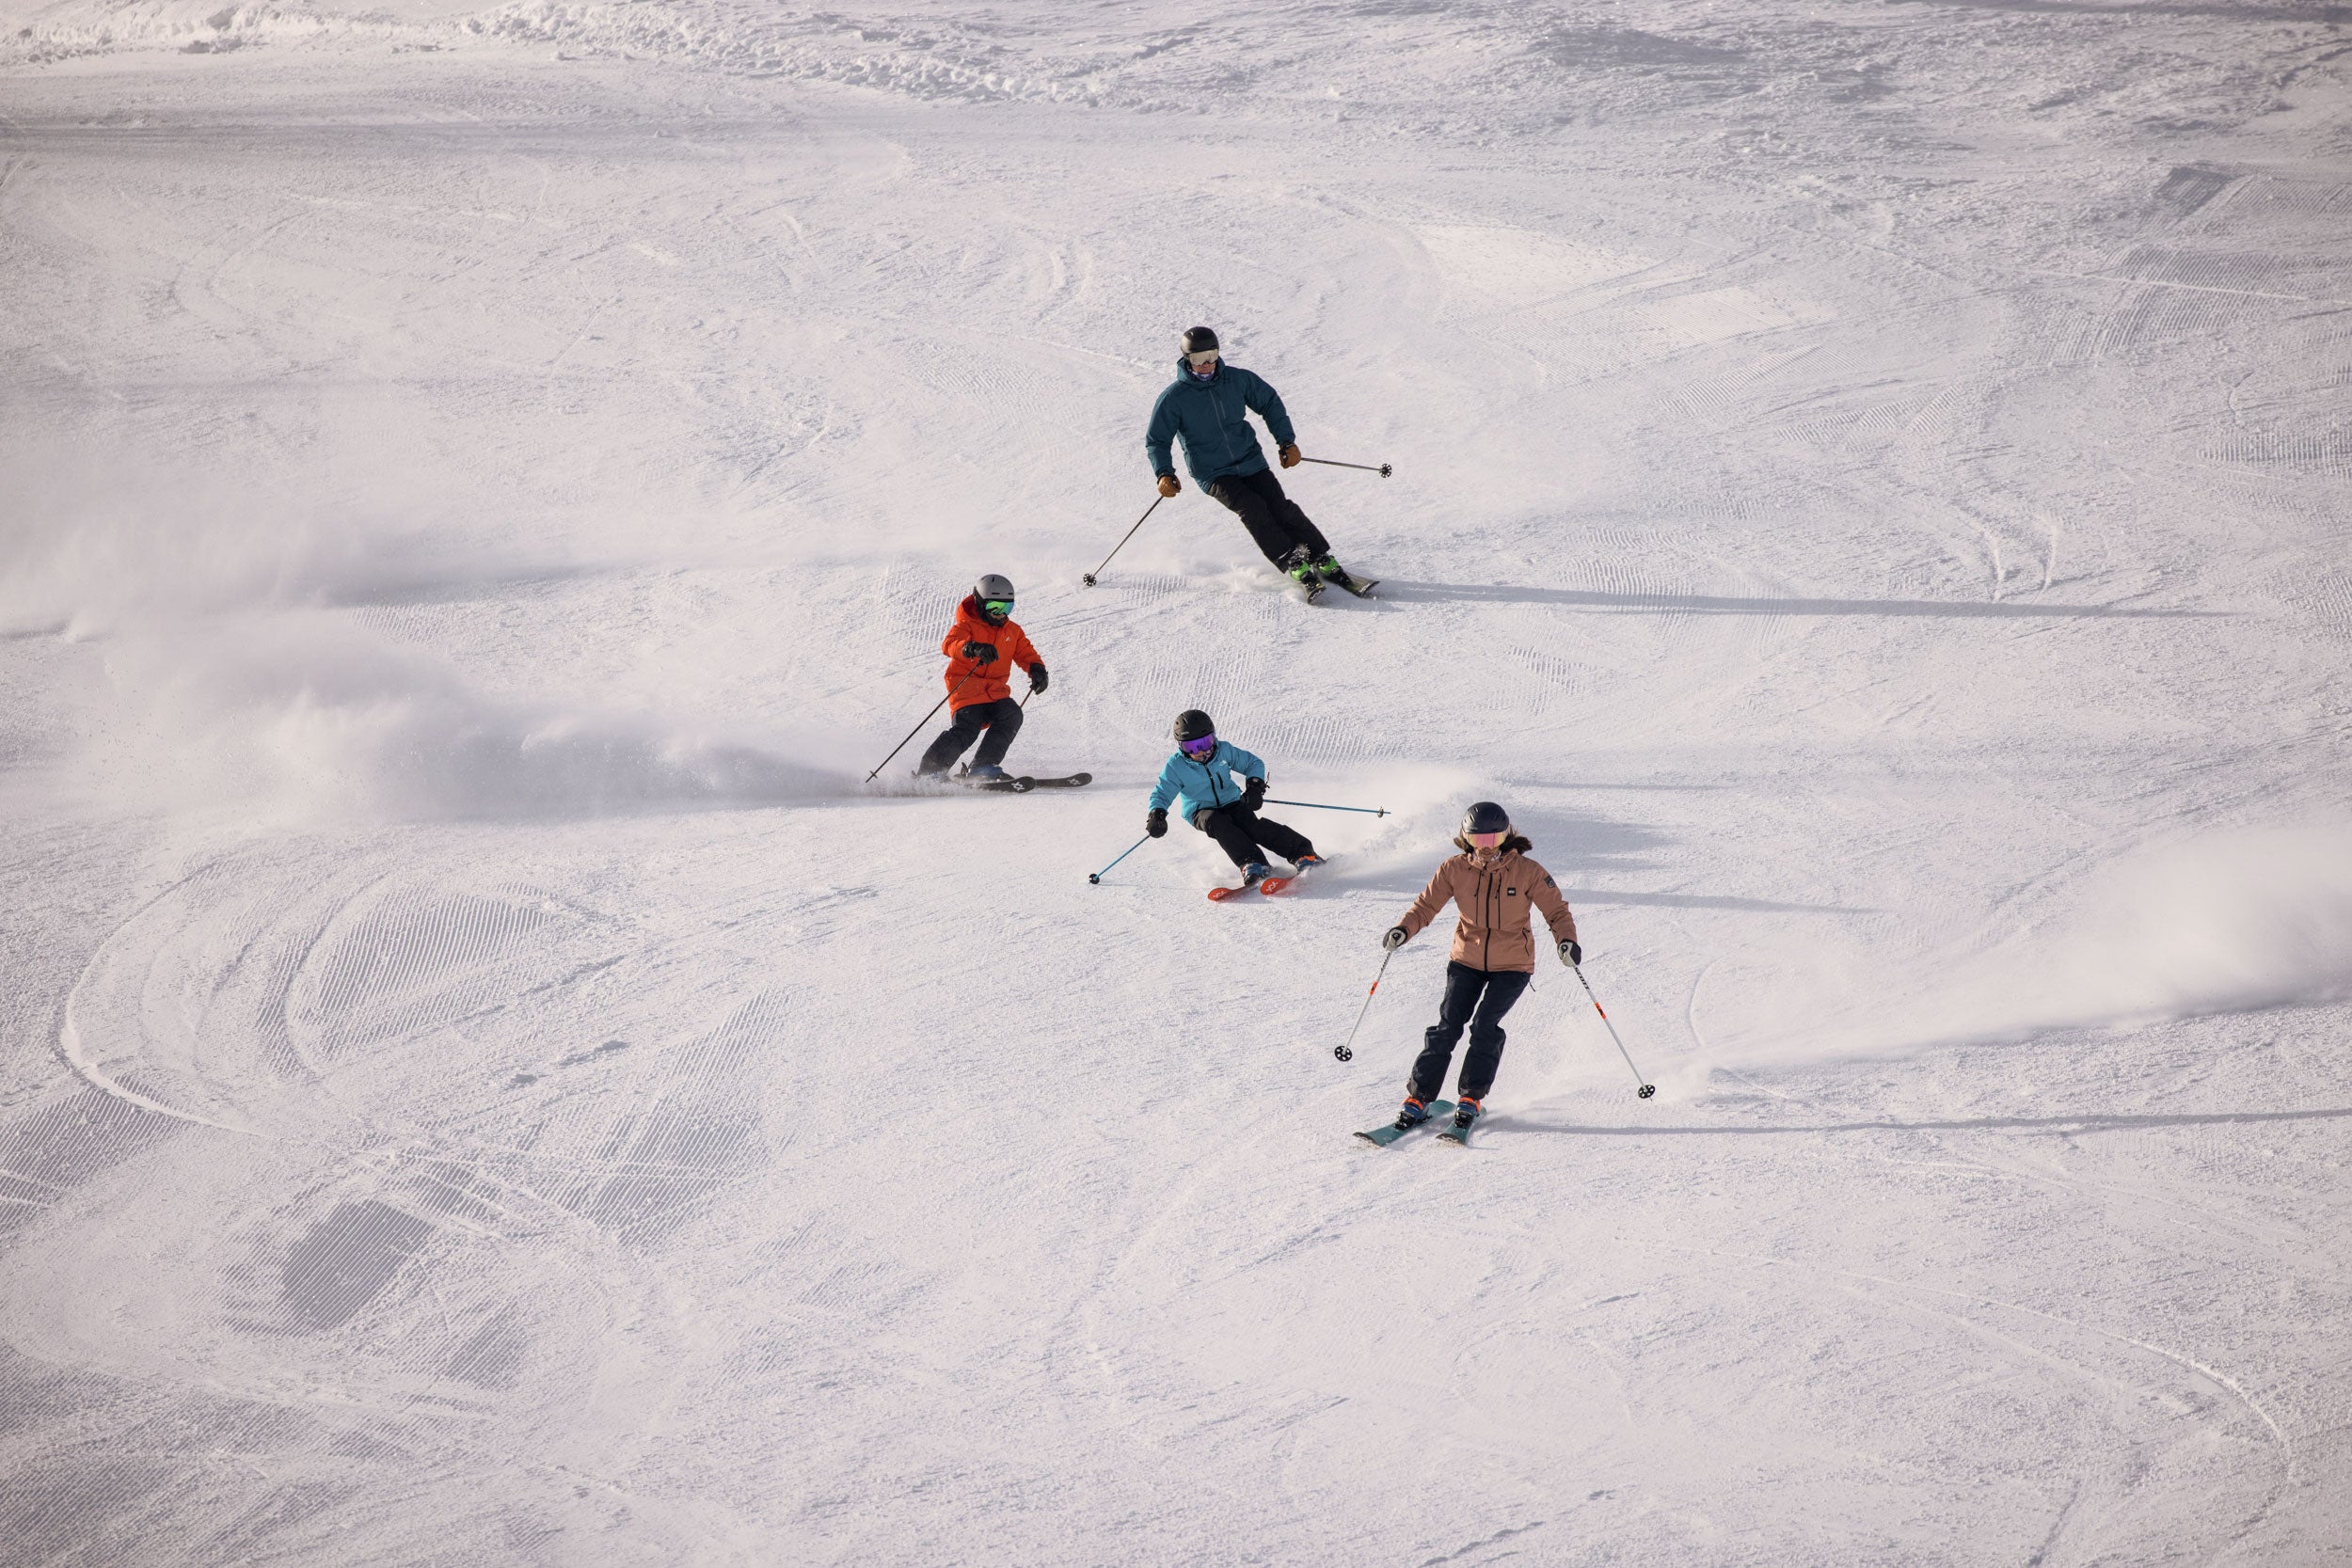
column 483, row 1081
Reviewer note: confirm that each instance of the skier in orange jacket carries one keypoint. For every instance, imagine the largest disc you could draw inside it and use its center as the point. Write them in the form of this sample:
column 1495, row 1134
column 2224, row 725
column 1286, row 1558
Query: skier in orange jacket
column 984, row 647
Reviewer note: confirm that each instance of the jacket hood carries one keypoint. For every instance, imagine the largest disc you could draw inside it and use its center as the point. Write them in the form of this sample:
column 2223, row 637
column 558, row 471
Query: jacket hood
column 1510, row 843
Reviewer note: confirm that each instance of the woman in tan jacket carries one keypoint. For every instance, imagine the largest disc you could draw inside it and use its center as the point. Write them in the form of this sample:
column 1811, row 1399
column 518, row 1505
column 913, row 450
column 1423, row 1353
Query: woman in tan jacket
column 1494, row 884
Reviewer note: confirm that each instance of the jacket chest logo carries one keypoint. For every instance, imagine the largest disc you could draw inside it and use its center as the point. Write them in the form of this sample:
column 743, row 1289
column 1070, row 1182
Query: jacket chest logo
column 1510, row 892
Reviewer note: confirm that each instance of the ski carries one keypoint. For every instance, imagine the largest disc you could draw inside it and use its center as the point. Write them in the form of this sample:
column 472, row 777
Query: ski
column 1274, row 885
column 1384, row 1136
column 1021, row 783
column 1267, row 886
column 1454, row 1135
column 1309, row 588
column 1360, row 587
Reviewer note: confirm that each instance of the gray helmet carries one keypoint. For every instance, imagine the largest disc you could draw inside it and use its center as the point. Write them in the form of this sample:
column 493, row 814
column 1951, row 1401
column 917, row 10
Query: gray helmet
column 1200, row 340
column 1192, row 724
column 1484, row 817
column 992, row 586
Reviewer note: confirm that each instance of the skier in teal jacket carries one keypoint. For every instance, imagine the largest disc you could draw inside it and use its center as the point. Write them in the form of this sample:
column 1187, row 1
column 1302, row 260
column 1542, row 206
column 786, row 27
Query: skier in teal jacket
column 1207, row 408
column 1200, row 779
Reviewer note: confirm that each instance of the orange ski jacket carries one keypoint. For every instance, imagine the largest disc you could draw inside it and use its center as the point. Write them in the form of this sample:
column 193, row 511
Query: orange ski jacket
column 988, row 681
column 1494, row 931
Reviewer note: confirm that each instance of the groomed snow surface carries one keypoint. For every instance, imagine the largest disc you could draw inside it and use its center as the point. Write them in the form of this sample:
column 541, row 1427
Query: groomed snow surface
column 486, row 1081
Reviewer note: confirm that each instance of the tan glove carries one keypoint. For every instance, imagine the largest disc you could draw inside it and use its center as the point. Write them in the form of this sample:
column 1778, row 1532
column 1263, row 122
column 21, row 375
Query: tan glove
column 1169, row 486
column 1289, row 454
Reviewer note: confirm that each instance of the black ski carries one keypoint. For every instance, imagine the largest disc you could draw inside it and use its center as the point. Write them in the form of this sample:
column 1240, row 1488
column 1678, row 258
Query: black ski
column 1021, row 783
column 1011, row 784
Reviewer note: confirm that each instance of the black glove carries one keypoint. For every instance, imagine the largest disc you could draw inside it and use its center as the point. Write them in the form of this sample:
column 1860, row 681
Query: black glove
column 1397, row 938
column 980, row 652
column 1155, row 823
column 1036, row 678
column 1570, row 954
column 1254, row 795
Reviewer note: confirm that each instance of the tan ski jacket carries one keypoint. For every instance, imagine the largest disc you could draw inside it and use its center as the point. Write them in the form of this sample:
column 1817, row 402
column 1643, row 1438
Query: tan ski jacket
column 1494, row 931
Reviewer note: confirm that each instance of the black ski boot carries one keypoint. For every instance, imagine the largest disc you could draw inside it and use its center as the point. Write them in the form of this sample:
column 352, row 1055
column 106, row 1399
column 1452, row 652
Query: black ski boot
column 1465, row 1112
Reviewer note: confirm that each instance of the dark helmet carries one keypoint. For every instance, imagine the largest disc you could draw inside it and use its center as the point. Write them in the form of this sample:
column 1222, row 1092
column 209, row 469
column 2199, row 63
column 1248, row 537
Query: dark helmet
column 1200, row 340
column 1484, row 817
column 1193, row 725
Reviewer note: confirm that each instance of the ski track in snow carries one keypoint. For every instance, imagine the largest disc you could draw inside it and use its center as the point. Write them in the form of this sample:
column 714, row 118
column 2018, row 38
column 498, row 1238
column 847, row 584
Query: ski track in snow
column 484, row 1080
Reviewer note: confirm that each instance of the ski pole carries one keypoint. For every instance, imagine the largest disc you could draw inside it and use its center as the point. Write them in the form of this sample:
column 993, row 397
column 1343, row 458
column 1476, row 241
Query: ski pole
column 1648, row 1088
column 918, row 727
column 1383, row 470
column 1089, row 577
column 1098, row 876
column 1317, row 805
column 1346, row 1051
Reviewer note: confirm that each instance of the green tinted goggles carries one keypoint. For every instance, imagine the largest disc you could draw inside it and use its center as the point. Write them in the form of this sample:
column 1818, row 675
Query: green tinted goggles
column 997, row 606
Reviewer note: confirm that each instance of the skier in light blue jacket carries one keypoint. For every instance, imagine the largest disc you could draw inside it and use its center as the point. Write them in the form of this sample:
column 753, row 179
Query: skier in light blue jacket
column 1198, row 779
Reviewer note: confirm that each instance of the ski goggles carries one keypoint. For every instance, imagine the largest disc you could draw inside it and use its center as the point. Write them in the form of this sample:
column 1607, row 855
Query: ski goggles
column 997, row 606
column 1202, row 359
column 1199, row 747
column 1487, row 841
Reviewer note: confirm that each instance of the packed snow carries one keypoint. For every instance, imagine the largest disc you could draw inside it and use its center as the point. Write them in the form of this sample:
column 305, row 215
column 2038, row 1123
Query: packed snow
column 485, row 1079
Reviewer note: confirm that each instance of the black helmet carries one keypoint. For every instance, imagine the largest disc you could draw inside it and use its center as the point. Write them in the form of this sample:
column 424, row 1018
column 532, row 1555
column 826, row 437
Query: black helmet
column 1192, row 724
column 1484, row 817
column 1200, row 340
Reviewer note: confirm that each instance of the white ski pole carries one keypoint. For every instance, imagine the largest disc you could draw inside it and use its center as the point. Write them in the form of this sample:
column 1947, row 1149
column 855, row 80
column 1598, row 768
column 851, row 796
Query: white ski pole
column 1647, row 1087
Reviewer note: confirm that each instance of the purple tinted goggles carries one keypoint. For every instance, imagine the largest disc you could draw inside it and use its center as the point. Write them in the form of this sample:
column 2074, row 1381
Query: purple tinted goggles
column 1199, row 747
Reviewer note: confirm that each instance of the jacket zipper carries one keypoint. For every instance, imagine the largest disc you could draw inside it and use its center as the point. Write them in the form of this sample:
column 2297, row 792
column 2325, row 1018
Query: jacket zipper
column 1216, row 798
column 1485, row 953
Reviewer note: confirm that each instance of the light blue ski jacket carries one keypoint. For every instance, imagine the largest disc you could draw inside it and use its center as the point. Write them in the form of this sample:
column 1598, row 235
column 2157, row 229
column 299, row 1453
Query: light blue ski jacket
column 1197, row 786
column 1210, row 416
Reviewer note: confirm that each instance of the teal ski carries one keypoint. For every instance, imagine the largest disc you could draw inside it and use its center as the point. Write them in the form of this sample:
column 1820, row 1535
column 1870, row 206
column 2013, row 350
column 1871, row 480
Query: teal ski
column 1384, row 1136
column 1454, row 1135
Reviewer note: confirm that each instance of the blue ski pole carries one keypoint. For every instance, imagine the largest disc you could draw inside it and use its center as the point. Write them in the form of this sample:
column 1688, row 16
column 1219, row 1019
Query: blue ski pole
column 1317, row 805
column 1098, row 876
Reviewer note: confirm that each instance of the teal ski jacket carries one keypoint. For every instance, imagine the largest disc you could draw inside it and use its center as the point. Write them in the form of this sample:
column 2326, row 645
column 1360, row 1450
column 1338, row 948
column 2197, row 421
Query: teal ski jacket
column 1197, row 786
column 1209, row 417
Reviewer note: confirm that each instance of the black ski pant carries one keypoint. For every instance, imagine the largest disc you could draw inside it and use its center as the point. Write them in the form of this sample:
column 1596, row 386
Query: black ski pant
column 1272, row 517
column 1001, row 718
column 1240, row 832
column 1479, row 998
